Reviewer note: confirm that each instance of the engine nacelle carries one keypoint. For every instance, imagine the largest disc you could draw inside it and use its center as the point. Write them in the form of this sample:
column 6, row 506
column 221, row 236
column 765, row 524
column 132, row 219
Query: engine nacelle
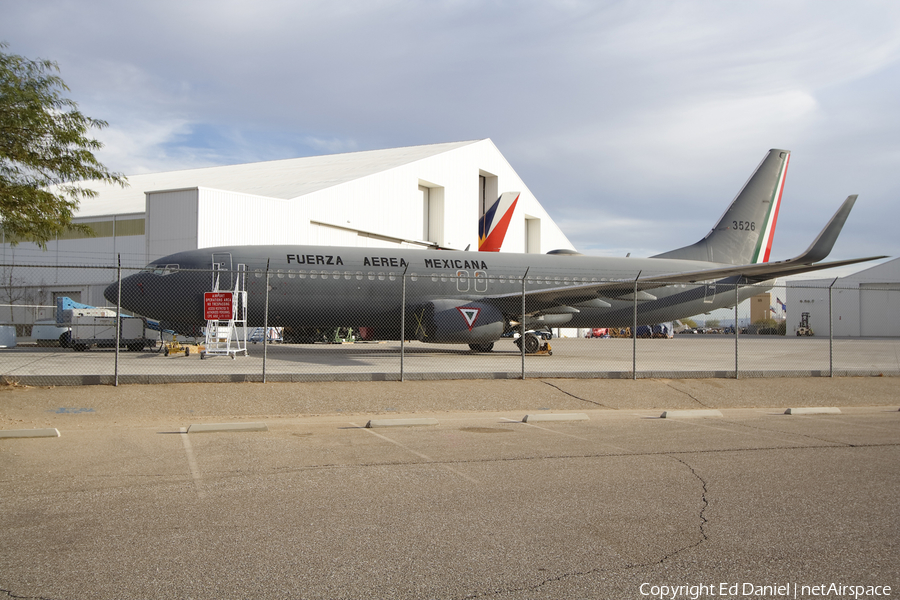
column 458, row 322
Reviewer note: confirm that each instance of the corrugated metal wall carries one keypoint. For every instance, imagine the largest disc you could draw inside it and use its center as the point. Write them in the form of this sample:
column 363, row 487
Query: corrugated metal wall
column 171, row 222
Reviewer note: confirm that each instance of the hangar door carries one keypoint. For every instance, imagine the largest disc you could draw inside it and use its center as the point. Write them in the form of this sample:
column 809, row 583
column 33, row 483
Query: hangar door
column 432, row 215
column 879, row 309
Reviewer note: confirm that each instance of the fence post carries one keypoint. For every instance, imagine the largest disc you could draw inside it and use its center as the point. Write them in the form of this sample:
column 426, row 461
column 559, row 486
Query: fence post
column 737, row 300
column 831, row 331
column 118, row 316
column 403, row 323
column 522, row 324
column 266, row 325
column 634, row 331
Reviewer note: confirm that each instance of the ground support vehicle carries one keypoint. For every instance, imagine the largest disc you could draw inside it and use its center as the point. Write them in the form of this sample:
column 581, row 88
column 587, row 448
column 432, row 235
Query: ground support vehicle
column 804, row 328
column 100, row 331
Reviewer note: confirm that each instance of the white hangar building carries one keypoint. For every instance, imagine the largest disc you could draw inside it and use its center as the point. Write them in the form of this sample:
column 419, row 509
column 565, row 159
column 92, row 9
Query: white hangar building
column 417, row 196
column 865, row 304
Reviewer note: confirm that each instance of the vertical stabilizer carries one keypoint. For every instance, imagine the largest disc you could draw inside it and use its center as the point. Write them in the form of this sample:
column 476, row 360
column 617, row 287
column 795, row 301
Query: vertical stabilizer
column 744, row 233
column 493, row 225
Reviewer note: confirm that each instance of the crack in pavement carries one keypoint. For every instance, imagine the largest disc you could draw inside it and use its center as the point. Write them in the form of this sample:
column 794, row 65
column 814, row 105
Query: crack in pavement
column 703, row 537
column 703, row 520
column 9, row 594
column 578, row 397
column 688, row 394
column 837, row 443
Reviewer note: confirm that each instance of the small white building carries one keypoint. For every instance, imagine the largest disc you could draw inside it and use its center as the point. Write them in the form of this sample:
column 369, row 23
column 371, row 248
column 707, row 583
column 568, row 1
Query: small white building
column 417, row 196
column 865, row 304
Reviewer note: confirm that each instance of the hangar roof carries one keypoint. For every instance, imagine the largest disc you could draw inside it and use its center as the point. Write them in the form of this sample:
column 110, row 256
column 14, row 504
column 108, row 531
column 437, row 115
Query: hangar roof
column 886, row 272
column 284, row 179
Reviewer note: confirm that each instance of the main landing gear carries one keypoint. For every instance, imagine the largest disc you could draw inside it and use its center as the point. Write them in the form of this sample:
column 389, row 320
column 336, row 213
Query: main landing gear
column 532, row 345
column 481, row 347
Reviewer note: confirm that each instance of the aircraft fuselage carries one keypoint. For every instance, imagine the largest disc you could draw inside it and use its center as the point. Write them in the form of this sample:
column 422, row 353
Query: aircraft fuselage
column 326, row 286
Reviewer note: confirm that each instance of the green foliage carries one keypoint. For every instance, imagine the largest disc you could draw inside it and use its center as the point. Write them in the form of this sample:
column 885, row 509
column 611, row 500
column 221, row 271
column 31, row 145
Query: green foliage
column 713, row 323
column 766, row 323
column 44, row 152
column 690, row 323
column 780, row 327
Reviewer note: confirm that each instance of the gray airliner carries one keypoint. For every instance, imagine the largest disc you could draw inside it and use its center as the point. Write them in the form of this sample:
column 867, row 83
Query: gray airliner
column 475, row 297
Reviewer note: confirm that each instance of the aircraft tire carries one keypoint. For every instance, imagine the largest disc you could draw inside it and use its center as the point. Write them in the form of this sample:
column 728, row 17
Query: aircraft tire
column 481, row 347
column 532, row 344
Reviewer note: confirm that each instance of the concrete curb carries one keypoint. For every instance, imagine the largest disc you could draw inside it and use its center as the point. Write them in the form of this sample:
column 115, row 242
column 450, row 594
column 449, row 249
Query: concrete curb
column 555, row 417
column 29, row 433
column 218, row 427
column 690, row 413
column 814, row 410
column 399, row 422
column 64, row 380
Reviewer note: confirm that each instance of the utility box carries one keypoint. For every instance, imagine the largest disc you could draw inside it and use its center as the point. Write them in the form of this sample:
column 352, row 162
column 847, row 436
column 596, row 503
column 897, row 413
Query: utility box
column 92, row 326
column 89, row 330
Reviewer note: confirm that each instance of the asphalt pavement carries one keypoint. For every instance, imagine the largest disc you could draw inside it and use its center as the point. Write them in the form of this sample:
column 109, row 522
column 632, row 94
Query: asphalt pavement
column 750, row 504
column 682, row 357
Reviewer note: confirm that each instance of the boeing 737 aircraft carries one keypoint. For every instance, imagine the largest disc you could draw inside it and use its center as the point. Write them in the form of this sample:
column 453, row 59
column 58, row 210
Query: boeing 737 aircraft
column 474, row 297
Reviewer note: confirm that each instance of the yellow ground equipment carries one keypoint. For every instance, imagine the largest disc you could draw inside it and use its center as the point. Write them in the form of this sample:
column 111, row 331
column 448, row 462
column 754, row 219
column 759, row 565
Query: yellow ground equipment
column 175, row 347
column 545, row 350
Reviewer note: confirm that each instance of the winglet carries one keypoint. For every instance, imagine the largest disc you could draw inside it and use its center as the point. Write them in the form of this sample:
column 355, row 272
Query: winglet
column 822, row 245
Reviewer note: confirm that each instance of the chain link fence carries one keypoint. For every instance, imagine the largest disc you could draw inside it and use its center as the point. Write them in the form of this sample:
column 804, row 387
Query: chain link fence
column 59, row 326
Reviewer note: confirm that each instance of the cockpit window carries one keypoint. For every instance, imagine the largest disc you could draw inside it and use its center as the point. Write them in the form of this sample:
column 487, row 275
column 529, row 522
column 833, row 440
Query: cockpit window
column 161, row 269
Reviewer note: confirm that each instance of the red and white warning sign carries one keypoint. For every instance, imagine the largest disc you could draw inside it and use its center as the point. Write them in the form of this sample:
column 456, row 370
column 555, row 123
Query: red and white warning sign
column 217, row 306
column 469, row 314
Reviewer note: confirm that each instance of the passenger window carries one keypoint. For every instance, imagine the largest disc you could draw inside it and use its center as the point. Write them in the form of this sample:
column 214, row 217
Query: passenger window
column 462, row 281
column 481, row 281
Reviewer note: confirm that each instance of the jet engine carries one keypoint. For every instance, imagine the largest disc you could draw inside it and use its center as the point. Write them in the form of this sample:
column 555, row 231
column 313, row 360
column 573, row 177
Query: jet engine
column 455, row 321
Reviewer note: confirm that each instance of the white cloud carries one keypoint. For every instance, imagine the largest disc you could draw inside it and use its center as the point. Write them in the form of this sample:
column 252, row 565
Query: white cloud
column 141, row 147
column 649, row 110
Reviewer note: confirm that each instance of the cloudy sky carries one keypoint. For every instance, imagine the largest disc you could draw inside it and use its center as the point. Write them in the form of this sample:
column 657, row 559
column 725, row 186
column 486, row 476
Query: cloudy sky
column 634, row 123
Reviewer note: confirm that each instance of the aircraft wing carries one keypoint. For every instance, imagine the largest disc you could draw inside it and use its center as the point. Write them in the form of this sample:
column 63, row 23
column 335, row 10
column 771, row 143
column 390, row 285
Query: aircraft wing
column 806, row 262
column 573, row 295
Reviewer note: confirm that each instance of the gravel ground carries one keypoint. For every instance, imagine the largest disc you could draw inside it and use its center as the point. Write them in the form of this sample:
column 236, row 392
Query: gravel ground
column 22, row 406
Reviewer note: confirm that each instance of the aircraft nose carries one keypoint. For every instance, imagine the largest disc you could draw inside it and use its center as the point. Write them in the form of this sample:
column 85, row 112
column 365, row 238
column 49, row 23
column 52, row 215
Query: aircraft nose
column 111, row 293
